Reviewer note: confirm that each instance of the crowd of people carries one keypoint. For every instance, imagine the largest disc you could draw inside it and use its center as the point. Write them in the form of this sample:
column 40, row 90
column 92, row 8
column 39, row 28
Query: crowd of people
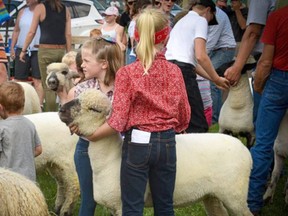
column 159, row 71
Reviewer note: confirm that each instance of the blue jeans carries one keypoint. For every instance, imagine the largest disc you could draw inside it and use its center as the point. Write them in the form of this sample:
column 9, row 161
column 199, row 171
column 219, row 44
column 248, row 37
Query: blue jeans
column 218, row 58
column 129, row 59
column 272, row 108
column 84, row 171
column 154, row 161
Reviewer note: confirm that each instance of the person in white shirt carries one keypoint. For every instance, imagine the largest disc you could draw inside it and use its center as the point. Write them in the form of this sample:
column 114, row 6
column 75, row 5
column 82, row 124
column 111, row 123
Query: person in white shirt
column 186, row 48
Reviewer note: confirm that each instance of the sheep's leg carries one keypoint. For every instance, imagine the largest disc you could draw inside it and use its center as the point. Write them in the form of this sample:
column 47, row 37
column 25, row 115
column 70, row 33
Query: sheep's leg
column 67, row 189
column 250, row 138
column 278, row 166
column 214, row 207
column 286, row 192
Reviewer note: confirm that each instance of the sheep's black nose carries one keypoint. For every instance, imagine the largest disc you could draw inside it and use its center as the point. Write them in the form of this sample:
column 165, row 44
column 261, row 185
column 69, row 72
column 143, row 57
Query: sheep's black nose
column 62, row 110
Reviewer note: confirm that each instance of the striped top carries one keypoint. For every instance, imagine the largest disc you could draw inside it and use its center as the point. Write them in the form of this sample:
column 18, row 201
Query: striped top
column 3, row 56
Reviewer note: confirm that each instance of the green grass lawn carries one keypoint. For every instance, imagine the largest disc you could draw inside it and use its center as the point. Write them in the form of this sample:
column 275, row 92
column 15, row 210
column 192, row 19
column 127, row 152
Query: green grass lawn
column 278, row 208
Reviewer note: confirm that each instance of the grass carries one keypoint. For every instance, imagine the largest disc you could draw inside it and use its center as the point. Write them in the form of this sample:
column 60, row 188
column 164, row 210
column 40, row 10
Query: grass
column 278, row 208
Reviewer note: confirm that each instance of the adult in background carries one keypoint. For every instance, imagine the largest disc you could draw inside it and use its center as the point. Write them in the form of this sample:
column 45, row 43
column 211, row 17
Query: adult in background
column 222, row 4
column 55, row 24
column 3, row 62
column 124, row 22
column 238, row 16
column 23, row 69
column 110, row 28
column 187, row 48
column 273, row 67
column 250, row 44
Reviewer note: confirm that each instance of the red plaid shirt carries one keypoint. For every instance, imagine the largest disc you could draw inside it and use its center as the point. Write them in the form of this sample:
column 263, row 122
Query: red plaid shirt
column 153, row 102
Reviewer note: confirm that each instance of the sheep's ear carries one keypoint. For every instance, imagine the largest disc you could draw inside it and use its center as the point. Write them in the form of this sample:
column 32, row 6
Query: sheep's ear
column 73, row 74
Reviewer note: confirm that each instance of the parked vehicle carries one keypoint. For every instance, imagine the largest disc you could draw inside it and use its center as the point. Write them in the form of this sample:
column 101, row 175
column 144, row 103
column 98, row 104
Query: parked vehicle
column 85, row 15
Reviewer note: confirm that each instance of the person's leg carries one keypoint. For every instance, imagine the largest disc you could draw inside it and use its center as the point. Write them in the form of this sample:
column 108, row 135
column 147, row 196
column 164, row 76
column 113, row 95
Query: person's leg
column 21, row 71
column 84, row 172
column 36, row 77
column 272, row 108
column 46, row 57
column 162, row 173
column 198, row 123
column 134, row 176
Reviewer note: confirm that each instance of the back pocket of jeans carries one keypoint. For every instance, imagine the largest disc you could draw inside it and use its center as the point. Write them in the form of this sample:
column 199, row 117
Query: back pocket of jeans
column 138, row 154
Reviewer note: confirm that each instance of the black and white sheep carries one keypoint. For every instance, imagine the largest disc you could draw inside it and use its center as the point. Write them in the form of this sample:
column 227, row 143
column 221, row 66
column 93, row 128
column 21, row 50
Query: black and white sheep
column 236, row 116
column 19, row 196
column 57, row 158
column 211, row 167
column 59, row 76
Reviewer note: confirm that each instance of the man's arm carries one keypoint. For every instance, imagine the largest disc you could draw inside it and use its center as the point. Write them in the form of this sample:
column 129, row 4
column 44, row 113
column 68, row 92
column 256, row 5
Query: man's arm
column 249, row 39
column 263, row 68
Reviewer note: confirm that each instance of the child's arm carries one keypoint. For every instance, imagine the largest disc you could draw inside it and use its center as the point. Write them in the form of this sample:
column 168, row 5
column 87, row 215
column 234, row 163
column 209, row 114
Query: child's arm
column 38, row 150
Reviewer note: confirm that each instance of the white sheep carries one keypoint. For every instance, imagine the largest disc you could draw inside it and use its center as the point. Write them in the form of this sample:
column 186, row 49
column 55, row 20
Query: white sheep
column 20, row 196
column 32, row 102
column 211, row 167
column 57, row 157
column 236, row 116
column 280, row 154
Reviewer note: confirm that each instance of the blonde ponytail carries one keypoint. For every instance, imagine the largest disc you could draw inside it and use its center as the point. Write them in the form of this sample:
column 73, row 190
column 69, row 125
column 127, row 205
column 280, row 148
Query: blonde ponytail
column 147, row 24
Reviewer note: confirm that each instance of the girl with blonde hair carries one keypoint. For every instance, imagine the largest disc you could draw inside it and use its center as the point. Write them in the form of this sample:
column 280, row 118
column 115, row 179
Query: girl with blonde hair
column 150, row 105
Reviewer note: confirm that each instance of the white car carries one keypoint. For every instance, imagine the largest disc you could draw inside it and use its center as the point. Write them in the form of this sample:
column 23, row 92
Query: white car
column 85, row 16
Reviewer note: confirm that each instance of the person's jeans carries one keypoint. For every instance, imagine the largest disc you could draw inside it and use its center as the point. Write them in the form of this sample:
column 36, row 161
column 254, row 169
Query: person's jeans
column 155, row 161
column 272, row 108
column 198, row 123
column 129, row 58
column 84, row 172
column 218, row 58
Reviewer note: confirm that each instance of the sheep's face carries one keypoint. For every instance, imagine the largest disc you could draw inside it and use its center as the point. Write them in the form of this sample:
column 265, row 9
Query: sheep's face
column 89, row 111
column 58, row 74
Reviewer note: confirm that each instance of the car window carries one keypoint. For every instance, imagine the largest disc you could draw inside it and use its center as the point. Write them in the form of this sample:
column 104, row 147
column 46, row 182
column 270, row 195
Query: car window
column 77, row 10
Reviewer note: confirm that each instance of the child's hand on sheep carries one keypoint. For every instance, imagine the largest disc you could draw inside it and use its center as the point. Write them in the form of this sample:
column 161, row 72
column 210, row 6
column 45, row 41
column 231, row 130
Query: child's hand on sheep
column 74, row 129
column 222, row 83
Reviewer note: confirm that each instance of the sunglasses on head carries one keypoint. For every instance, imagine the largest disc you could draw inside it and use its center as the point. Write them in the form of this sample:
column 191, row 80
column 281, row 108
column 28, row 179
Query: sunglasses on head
column 131, row 2
column 170, row 0
column 157, row 3
column 106, row 38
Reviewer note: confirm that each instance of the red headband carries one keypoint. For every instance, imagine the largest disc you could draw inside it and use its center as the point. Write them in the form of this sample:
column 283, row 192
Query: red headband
column 159, row 36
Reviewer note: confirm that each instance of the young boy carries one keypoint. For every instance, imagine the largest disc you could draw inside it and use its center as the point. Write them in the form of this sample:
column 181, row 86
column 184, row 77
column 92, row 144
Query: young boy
column 19, row 141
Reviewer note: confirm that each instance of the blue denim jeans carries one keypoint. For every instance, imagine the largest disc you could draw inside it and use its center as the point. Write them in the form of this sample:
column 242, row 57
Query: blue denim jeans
column 272, row 108
column 154, row 161
column 84, row 171
column 218, row 57
column 129, row 59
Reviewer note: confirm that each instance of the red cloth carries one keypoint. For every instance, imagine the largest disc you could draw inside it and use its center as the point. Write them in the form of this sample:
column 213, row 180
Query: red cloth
column 276, row 33
column 153, row 102
column 3, row 57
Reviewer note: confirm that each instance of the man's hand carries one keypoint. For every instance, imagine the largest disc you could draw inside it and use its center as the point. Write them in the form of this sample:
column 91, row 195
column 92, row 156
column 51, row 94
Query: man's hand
column 232, row 74
column 22, row 56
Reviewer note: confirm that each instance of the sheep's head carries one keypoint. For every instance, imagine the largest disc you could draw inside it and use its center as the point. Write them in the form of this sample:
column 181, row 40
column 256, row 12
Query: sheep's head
column 88, row 111
column 59, row 76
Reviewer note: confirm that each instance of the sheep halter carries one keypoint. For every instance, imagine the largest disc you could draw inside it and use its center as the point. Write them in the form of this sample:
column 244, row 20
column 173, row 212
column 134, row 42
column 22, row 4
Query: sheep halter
column 159, row 37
